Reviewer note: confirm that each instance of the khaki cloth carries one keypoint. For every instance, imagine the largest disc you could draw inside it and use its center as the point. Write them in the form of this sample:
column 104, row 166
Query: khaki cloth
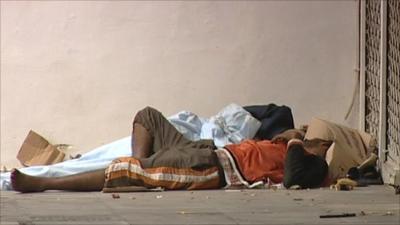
column 350, row 147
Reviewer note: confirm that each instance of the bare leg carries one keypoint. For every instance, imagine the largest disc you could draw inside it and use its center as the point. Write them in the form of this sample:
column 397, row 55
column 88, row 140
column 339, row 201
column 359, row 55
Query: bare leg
column 142, row 142
column 89, row 181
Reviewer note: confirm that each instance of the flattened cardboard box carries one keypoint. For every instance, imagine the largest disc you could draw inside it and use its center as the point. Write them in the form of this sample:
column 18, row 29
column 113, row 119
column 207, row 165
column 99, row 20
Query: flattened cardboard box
column 38, row 151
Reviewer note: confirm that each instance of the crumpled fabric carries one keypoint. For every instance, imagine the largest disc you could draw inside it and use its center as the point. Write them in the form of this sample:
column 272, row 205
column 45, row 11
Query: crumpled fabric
column 231, row 125
column 188, row 124
column 274, row 119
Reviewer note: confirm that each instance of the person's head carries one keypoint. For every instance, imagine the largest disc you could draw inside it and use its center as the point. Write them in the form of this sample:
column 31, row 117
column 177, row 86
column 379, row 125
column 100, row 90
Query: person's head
column 303, row 169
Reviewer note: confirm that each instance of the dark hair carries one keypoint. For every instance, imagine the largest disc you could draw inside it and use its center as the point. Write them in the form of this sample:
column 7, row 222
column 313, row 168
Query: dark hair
column 303, row 169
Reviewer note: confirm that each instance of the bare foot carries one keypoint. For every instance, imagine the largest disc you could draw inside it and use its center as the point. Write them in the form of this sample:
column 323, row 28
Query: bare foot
column 25, row 183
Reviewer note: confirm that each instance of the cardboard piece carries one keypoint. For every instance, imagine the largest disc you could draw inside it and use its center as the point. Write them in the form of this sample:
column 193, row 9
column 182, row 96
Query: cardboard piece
column 350, row 147
column 38, row 151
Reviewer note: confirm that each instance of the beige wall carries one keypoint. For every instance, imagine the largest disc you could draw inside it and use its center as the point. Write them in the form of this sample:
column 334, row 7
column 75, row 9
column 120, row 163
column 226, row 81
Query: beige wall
column 76, row 72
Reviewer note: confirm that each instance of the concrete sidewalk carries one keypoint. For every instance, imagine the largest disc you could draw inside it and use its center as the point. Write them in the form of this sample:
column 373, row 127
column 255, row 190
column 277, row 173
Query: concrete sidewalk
column 371, row 205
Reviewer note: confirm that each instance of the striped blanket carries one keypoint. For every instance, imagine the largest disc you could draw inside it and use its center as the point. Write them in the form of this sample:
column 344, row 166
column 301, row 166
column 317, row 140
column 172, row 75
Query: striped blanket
column 128, row 171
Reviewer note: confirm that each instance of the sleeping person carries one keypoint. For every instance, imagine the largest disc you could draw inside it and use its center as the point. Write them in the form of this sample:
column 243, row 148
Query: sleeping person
column 231, row 125
column 163, row 157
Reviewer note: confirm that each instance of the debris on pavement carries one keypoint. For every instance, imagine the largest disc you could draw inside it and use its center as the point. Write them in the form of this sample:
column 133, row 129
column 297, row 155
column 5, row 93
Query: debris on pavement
column 114, row 196
column 337, row 215
column 159, row 196
column 344, row 184
column 388, row 213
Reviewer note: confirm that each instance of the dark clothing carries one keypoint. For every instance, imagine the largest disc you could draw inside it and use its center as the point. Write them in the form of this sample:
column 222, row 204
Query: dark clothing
column 274, row 119
column 303, row 169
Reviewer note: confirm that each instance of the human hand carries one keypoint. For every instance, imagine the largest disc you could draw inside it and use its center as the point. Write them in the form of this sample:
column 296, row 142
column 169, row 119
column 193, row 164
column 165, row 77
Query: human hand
column 288, row 135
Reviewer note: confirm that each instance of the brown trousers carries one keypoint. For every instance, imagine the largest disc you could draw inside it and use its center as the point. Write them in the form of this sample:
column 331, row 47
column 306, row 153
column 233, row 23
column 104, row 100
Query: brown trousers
column 170, row 148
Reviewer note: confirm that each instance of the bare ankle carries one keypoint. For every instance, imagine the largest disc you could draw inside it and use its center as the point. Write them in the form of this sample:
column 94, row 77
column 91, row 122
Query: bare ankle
column 24, row 183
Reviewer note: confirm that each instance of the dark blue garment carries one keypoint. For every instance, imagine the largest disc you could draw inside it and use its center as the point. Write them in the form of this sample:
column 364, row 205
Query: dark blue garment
column 274, row 119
